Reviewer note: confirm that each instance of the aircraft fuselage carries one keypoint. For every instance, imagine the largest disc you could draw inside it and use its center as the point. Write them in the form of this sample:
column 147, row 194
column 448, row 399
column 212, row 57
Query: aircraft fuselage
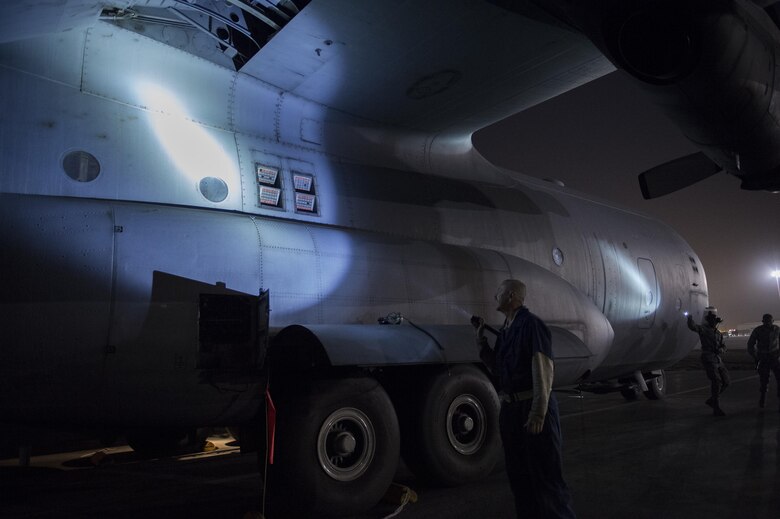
column 135, row 193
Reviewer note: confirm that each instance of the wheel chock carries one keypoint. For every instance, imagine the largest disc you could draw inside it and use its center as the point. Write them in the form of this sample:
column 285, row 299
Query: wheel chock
column 398, row 494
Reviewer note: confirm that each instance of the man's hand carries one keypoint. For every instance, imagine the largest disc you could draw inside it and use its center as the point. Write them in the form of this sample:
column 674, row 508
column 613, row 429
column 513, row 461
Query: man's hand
column 534, row 425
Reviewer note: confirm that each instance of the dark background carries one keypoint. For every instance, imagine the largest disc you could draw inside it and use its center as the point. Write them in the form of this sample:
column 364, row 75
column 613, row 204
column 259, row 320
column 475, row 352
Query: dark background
column 598, row 138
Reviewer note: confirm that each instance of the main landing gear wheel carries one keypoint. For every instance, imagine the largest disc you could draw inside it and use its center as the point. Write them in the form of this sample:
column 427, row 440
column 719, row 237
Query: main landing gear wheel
column 656, row 387
column 453, row 436
column 337, row 449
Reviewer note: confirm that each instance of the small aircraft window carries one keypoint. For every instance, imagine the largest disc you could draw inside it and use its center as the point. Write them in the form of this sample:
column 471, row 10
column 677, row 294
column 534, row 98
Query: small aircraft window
column 81, row 166
column 305, row 195
column 214, row 189
column 557, row 256
column 269, row 186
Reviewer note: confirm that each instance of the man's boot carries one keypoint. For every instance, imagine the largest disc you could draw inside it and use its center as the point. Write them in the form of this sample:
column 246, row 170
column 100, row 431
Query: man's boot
column 762, row 400
column 717, row 411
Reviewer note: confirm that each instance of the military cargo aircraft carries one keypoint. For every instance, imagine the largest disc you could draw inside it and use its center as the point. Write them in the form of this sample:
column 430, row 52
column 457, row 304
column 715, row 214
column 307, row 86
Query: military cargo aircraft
column 206, row 202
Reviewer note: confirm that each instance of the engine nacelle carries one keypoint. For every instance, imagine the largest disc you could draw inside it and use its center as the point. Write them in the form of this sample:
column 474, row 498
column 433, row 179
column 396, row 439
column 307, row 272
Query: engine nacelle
column 711, row 67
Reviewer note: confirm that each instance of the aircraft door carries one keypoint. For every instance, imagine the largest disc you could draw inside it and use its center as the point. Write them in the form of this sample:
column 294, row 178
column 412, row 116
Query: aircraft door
column 232, row 335
column 648, row 299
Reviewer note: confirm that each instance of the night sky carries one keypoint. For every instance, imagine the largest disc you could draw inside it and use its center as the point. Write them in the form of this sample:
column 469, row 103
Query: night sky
column 599, row 137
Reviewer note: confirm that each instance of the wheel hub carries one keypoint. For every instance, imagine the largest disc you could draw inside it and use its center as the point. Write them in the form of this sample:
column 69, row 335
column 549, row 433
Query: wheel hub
column 343, row 444
column 346, row 444
column 466, row 424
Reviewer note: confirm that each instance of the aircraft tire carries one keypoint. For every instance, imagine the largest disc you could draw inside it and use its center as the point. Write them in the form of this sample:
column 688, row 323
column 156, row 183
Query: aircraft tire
column 454, row 436
column 336, row 449
column 656, row 387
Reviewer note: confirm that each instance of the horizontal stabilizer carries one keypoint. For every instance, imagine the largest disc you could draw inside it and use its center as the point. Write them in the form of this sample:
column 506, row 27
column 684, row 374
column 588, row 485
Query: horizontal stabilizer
column 676, row 174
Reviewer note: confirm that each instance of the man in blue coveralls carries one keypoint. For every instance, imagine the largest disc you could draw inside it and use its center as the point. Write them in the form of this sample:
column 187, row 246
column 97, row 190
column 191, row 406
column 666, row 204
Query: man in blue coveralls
column 522, row 360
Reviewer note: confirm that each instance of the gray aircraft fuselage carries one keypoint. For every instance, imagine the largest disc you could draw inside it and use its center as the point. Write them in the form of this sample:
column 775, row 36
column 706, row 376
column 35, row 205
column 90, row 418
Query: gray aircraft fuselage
column 102, row 269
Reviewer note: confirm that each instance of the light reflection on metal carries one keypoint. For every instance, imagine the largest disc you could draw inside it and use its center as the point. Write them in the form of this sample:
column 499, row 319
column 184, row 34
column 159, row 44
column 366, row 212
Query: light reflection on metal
column 636, row 283
column 193, row 151
column 557, row 255
column 306, row 268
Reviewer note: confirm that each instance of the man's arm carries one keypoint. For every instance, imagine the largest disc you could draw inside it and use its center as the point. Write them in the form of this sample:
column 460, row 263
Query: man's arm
column 486, row 353
column 751, row 344
column 691, row 325
column 542, row 370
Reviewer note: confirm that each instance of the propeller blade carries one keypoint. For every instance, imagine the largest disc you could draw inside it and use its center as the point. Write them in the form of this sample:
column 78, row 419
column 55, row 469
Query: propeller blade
column 676, row 174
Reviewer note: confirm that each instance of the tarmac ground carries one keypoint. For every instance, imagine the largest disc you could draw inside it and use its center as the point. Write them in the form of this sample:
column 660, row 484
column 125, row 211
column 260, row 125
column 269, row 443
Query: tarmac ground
column 668, row 458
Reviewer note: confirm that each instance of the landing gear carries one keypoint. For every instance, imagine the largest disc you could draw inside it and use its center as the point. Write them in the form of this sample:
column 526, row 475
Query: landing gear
column 656, row 386
column 453, row 433
column 655, row 382
column 337, row 449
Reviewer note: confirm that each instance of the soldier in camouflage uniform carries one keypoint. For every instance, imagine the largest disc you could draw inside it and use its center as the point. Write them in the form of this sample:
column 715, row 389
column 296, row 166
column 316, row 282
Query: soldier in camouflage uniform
column 712, row 348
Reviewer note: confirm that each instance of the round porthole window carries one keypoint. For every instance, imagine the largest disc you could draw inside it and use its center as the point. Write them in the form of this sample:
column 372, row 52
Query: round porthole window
column 213, row 188
column 557, row 256
column 81, row 166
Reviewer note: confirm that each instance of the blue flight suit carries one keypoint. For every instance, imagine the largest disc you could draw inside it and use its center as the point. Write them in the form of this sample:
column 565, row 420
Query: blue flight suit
column 533, row 462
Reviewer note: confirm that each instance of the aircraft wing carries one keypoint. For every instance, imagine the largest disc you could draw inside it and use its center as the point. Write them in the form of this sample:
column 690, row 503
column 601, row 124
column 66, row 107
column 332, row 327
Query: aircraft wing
column 455, row 65
column 429, row 66
column 451, row 67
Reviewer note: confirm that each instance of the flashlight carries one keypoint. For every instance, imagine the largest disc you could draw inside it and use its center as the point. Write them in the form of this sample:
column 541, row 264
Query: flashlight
column 475, row 323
